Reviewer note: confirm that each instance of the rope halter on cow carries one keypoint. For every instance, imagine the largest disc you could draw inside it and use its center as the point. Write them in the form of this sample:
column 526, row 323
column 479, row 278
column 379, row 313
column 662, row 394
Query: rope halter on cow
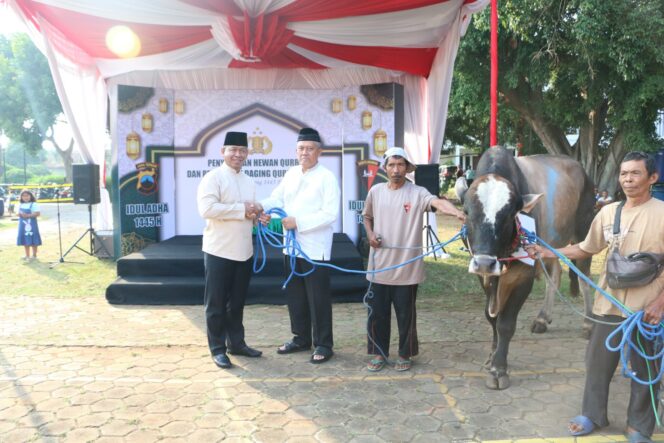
column 520, row 239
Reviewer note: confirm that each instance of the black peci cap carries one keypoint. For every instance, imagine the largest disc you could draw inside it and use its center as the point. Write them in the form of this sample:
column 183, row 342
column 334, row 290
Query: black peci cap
column 308, row 134
column 236, row 139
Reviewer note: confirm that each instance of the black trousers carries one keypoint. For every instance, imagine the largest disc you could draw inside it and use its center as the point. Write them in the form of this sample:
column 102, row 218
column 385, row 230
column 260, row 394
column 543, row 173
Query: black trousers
column 403, row 298
column 600, row 367
column 226, row 285
column 310, row 305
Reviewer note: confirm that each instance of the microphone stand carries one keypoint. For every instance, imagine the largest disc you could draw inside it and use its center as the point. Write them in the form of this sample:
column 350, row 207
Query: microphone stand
column 62, row 257
column 57, row 202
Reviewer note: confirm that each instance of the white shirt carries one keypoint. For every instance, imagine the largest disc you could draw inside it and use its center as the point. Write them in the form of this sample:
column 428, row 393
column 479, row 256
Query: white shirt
column 313, row 198
column 221, row 196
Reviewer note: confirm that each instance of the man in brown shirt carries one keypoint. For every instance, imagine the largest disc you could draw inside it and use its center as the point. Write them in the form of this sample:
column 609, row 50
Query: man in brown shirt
column 393, row 221
column 641, row 230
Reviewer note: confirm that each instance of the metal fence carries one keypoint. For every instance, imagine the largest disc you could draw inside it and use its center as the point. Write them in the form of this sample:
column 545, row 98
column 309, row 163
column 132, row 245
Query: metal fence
column 43, row 193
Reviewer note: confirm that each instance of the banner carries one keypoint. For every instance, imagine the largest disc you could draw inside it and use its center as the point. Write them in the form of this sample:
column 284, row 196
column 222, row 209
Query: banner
column 167, row 140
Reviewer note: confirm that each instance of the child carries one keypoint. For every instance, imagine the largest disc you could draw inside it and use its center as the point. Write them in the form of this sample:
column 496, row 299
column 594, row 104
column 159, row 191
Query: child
column 28, row 229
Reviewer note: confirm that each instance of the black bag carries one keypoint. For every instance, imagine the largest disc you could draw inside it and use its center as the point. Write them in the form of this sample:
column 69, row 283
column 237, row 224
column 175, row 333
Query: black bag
column 635, row 270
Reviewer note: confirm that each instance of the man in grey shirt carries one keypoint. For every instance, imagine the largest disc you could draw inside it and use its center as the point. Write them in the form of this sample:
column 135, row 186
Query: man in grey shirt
column 393, row 221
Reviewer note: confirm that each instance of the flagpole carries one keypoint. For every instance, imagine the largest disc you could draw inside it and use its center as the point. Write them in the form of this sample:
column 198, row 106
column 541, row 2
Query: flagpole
column 493, row 127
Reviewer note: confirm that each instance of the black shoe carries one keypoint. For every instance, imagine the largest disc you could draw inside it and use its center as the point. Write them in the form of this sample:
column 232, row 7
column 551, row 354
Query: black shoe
column 222, row 361
column 246, row 351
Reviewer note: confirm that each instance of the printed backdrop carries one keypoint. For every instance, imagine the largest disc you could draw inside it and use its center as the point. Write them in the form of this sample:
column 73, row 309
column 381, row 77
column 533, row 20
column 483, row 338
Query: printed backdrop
column 167, row 141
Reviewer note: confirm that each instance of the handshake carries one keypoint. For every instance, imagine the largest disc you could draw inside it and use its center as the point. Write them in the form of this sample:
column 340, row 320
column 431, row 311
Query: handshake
column 252, row 210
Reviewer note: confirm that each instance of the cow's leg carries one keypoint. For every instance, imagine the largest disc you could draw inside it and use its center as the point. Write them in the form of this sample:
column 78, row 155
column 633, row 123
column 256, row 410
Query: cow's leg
column 554, row 270
column 494, row 340
column 587, row 291
column 505, row 327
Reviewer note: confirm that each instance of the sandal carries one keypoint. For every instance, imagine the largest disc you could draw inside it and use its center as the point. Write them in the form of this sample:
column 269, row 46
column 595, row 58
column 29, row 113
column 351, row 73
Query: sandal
column 636, row 437
column 403, row 364
column 289, row 347
column 586, row 424
column 325, row 353
column 376, row 364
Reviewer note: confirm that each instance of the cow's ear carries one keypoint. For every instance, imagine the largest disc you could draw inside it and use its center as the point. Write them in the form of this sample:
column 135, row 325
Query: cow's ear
column 529, row 201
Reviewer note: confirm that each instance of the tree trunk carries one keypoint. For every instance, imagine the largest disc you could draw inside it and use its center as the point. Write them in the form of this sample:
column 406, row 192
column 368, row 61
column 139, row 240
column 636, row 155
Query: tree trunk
column 552, row 137
column 609, row 167
column 586, row 148
column 601, row 167
column 65, row 154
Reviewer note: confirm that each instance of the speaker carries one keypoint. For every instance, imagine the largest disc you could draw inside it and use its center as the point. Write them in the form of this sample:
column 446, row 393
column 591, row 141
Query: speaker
column 85, row 180
column 427, row 177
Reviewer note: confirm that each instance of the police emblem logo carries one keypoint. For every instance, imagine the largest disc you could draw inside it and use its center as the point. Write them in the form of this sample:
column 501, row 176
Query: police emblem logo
column 146, row 182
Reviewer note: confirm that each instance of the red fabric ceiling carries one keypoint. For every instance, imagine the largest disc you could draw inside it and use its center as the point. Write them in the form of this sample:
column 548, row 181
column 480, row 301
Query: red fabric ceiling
column 264, row 38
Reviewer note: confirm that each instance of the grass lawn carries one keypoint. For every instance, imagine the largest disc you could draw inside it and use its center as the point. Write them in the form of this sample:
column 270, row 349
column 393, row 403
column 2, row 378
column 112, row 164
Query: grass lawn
column 448, row 284
column 89, row 276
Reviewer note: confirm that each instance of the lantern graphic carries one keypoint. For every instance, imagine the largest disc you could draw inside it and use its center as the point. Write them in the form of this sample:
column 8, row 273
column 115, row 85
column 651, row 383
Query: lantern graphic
column 380, row 142
column 133, row 147
column 178, row 106
column 352, row 102
column 366, row 120
column 147, row 123
column 163, row 105
column 337, row 105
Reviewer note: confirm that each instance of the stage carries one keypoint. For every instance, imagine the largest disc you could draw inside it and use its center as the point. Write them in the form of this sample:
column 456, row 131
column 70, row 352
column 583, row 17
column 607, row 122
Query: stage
column 171, row 272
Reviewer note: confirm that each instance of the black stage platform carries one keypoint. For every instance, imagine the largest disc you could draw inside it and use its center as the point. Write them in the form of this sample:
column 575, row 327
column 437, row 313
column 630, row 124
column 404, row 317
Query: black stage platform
column 171, row 273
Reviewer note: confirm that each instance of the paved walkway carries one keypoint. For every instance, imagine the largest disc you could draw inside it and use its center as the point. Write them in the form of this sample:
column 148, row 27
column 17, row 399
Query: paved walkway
column 81, row 370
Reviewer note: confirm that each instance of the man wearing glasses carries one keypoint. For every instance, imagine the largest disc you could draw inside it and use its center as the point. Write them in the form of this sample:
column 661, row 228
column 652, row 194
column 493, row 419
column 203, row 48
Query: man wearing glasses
column 310, row 195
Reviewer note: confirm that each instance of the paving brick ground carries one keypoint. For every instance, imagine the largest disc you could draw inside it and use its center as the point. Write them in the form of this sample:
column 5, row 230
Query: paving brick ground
column 77, row 370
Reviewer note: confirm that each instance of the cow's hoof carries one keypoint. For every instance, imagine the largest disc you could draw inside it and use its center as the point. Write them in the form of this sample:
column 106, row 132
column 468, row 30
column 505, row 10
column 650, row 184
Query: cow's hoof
column 497, row 382
column 539, row 326
column 585, row 332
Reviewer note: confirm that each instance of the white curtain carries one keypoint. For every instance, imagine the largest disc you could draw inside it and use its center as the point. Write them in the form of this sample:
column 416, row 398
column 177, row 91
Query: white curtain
column 415, row 28
column 82, row 92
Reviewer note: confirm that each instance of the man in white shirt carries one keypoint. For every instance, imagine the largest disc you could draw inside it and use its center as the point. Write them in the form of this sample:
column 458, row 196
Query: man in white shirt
column 310, row 195
column 226, row 202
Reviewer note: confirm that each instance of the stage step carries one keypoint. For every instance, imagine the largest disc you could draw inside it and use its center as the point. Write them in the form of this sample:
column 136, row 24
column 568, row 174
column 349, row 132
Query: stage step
column 173, row 290
column 188, row 265
column 172, row 272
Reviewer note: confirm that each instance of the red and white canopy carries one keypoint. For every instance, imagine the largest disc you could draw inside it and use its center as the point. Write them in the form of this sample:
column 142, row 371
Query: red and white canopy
column 252, row 44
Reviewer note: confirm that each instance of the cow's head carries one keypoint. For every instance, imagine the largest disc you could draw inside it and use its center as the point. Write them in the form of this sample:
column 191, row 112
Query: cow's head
column 491, row 205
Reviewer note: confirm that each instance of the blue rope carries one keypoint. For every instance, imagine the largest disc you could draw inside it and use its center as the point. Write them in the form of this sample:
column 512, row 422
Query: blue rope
column 633, row 322
column 626, row 345
column 289, row 243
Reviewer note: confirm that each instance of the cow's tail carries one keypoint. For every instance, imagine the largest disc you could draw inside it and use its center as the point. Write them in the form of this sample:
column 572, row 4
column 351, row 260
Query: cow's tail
column 573, row 282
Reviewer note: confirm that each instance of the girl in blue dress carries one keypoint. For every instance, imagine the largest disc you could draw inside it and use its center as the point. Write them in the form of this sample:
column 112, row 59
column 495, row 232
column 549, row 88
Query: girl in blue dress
column 28, row 229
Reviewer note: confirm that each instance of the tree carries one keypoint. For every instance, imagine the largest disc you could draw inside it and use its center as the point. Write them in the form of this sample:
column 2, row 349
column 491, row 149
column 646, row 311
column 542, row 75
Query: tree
column 29, row 105
column 595, row 67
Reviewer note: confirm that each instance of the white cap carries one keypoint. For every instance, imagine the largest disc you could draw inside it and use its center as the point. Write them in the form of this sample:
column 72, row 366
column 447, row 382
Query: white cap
column 401, row 152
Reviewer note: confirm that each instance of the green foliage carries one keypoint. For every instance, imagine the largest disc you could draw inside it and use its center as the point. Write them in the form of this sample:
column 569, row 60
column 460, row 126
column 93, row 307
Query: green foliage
column 48, row 179
column 15, row 155
column 29, row 104
column 15, row 175
column 564, row 65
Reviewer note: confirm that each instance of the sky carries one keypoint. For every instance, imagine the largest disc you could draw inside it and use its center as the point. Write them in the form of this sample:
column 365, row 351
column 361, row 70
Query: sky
column 8, row 23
